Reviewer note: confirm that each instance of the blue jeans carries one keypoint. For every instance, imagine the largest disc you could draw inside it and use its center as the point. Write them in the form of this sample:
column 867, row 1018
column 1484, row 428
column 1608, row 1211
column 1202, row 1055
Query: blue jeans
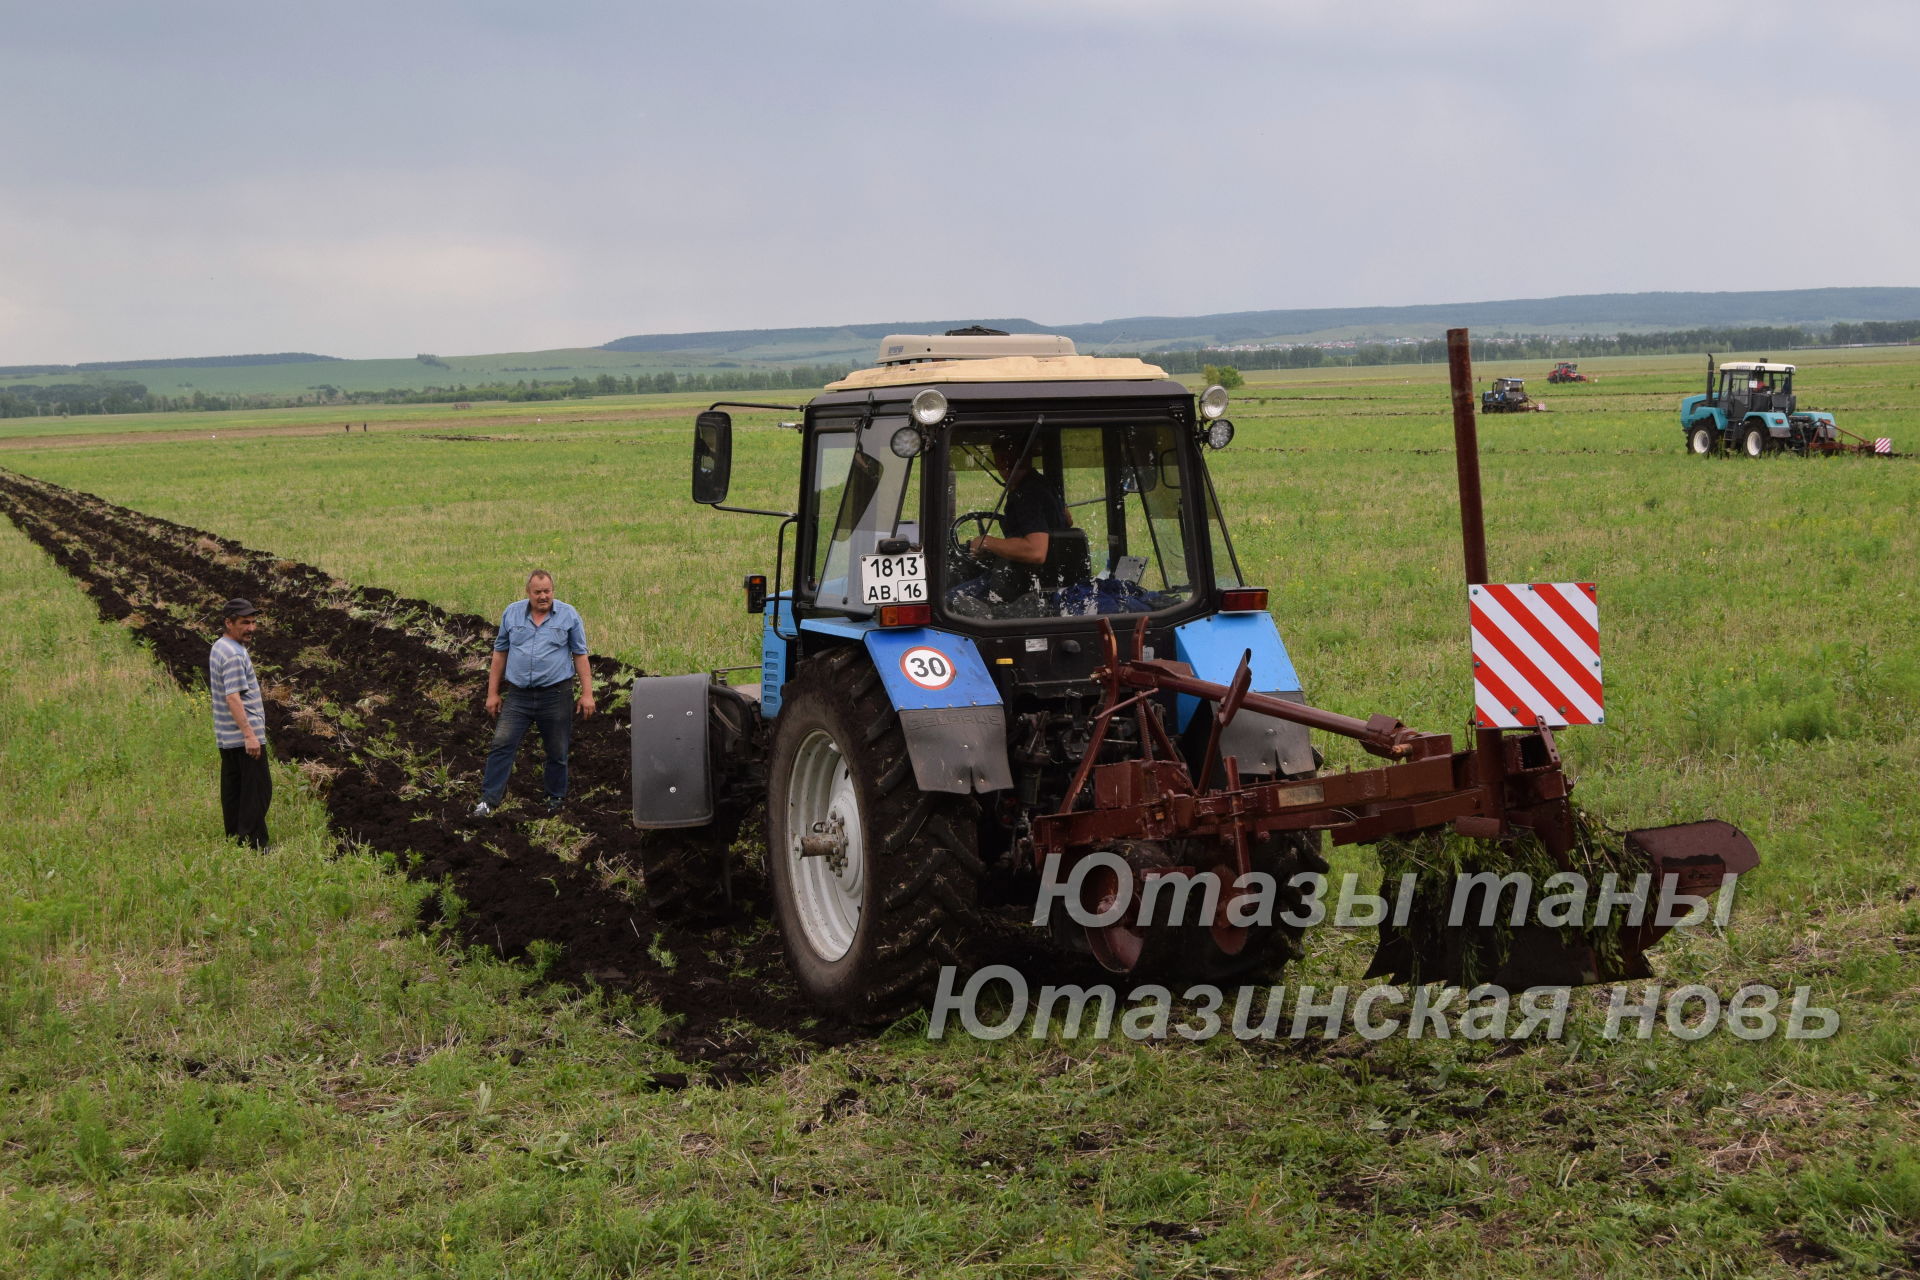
column 552, row 709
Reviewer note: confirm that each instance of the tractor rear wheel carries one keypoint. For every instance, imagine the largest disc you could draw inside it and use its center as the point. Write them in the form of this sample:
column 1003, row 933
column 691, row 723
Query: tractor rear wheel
column 874, row 881
column 1701, row 439
column 1755, row 442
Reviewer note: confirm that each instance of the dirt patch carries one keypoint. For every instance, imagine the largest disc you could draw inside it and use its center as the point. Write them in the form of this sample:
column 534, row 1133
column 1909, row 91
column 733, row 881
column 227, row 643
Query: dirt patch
column 378, row 698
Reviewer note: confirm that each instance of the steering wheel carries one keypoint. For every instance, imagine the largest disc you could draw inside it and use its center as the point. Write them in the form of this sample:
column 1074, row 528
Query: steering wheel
column 957, row 546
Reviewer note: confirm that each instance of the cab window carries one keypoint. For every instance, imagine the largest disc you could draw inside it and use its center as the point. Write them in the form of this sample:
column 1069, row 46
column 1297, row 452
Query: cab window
column 862, row 494
column 1066, row 522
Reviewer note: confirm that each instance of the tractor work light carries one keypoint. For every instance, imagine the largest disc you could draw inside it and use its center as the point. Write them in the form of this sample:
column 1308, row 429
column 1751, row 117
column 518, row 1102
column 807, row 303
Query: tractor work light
column 930, row 408
column 1213, row 401
column 907, row 442
column 1243, row 600
column 911, row 615
column 1219, row 434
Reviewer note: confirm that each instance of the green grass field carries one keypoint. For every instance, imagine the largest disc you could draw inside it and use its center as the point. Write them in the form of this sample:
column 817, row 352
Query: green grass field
column 235, row 1066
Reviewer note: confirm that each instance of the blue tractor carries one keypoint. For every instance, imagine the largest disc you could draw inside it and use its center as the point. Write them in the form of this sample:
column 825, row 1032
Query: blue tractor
column 1750, row 408
column 970, row 509
column 1008, row 646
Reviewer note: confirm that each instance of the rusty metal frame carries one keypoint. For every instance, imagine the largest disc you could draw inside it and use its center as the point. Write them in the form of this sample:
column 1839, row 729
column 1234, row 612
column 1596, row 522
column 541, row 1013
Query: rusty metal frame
column 1509, row 780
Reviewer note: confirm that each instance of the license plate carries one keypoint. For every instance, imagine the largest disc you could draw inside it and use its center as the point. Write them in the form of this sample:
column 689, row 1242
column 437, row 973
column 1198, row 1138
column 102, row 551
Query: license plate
column 900, row 579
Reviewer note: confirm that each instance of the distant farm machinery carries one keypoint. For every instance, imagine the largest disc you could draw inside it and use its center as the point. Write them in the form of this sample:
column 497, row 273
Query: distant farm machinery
column 1509, row 395
column 1751, row 408
column 1567, row 371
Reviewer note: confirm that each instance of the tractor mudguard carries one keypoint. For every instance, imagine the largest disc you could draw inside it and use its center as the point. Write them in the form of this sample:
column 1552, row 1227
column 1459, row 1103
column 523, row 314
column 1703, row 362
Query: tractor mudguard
column 949, row 709
column 672, row 786
column 1694, row 408
column 1212, row 647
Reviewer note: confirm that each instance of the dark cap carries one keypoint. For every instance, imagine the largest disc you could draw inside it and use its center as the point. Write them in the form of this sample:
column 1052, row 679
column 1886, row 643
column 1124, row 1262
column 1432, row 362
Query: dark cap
column 238, row 608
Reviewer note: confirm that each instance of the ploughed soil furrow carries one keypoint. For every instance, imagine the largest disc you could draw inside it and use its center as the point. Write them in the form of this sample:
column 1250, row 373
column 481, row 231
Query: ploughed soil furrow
column 379, row 699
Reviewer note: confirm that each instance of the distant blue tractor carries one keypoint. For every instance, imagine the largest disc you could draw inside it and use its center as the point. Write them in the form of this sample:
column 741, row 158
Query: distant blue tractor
column 1752, row 410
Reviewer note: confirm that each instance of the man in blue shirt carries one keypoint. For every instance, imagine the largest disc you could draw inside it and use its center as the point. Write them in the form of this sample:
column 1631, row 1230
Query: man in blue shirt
column 540, row 647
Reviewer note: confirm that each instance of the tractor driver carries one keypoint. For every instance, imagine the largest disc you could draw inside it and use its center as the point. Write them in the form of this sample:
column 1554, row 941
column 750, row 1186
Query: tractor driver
column 1031, row 511
column 1007, row 566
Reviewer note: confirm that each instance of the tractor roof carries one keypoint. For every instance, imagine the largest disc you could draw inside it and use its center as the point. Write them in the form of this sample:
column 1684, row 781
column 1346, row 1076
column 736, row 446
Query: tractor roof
column 1755, row 366
column 974, row 343
column 1062, row 368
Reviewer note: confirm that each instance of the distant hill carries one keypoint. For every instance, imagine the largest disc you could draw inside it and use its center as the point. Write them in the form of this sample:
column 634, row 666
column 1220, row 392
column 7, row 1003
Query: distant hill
column 743, row 339
column 183, row 362
column 1592, row 313
column 732, row 359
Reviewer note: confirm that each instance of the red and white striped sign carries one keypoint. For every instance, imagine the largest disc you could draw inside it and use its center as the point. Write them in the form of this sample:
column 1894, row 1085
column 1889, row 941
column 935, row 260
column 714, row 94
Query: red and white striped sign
column 1536, row 654
column 1883, row 444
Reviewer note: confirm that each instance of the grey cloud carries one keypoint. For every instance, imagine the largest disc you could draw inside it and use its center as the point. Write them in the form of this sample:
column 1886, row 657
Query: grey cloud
column 377, row 180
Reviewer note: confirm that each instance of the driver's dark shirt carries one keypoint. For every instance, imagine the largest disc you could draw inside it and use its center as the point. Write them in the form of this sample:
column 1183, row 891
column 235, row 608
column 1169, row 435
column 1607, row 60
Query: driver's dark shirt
column 1034, row 507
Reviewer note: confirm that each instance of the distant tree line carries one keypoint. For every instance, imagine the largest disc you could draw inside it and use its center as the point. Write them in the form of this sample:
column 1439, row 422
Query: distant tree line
column 30, row 401
column 1874, row 331
column 74, row 397
column 1541, row 346
column 111, row 396
column 184, row 362
column 606, row 384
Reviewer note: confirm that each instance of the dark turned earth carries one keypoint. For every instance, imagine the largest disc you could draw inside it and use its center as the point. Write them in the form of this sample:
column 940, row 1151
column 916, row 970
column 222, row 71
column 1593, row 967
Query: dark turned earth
column 412, row 676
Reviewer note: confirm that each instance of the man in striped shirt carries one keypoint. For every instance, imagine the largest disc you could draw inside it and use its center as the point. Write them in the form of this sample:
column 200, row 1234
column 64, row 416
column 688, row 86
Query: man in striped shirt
column 240, row 726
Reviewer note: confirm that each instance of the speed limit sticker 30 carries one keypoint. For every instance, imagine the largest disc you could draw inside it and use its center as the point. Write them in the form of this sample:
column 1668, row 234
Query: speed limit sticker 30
column 927, row 667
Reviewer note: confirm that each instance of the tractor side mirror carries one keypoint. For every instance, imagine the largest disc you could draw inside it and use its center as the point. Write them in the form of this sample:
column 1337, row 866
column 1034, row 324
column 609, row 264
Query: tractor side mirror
column 712, row 456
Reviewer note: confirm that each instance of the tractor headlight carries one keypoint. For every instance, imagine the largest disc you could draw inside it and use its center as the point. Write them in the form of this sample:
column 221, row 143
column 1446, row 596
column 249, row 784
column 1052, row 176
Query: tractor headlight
column 929, row 409
column 907, row 442
column 1219, row 434
column 1213, row 401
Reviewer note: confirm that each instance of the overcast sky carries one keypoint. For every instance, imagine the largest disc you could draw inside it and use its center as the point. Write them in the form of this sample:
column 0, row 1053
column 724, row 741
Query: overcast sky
column 358, row 179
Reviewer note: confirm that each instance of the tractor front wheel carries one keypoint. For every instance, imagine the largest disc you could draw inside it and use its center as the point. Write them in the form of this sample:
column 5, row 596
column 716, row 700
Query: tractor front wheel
column 874, row 881
column 1701, row 439
column 1755, row 443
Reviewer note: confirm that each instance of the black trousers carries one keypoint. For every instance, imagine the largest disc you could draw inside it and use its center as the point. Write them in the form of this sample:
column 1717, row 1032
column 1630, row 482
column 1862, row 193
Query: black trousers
column 246, row 789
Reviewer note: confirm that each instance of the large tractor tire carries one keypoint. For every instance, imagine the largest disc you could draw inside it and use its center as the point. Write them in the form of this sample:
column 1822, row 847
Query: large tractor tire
column 874, row 882
column 1702, row 439
column 1755, row 442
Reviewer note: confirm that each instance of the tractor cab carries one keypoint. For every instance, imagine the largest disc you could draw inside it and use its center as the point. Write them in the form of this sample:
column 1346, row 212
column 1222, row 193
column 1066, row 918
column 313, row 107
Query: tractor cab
column 994, row 483
column 996, row 497
column 1754, row 387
